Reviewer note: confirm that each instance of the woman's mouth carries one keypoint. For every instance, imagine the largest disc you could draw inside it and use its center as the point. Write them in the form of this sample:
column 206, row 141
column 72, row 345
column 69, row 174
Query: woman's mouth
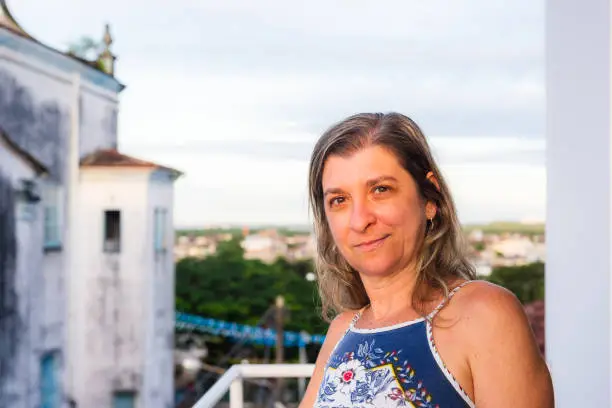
column 367, row 246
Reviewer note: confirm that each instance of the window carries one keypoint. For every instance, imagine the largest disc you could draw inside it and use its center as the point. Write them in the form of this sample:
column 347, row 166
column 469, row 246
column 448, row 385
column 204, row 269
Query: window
column 124, row 399
column 49, row 381
column 159, row 230
column 53, row 211
column 112, row 231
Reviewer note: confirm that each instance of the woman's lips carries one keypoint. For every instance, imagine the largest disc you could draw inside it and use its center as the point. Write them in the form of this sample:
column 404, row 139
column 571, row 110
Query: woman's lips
column 368, row 246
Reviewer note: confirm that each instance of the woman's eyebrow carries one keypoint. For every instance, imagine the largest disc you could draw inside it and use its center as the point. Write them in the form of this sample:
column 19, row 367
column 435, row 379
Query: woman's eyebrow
column 377, row 180
column 369, row 183
column 332, row 190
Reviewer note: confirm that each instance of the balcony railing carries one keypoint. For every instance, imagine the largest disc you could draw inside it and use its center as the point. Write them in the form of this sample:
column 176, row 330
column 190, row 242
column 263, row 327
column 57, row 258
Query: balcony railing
column 232, row 380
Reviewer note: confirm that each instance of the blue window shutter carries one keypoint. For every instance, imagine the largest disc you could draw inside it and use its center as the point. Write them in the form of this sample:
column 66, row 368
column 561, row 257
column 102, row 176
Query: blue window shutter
column 124, row 399
column 49, row 384
column 52, row 217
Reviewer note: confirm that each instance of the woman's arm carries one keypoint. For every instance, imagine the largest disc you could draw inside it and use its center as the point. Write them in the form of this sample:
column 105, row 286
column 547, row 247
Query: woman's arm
column 507, row 367
column 335, row 332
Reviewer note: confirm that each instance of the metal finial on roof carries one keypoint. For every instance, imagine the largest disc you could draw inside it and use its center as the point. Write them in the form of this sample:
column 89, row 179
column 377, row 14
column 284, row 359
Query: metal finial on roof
column 106, row 57
column 7, row 21
column 108, row 39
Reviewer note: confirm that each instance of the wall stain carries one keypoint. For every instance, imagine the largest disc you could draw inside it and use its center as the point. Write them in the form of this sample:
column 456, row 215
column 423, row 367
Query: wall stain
column 10, row 323
column 109, row 124
column 39, row 128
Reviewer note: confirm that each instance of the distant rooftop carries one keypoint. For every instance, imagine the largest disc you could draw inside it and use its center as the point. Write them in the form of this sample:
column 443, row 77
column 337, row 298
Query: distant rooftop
column 113, row 158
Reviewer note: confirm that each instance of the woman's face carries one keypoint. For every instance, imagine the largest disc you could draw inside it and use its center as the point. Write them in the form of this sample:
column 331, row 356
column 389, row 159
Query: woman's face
column 374, row 210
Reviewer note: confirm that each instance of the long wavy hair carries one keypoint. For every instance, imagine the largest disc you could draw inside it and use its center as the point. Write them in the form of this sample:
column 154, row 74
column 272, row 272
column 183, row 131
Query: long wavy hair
column 441, row 256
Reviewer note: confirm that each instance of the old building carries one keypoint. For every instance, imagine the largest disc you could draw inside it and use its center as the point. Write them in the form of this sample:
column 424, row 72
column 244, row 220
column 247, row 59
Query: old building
column 86, row 238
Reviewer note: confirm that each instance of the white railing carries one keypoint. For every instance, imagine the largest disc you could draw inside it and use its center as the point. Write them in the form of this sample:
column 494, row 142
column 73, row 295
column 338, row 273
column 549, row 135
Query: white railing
column 232, row 380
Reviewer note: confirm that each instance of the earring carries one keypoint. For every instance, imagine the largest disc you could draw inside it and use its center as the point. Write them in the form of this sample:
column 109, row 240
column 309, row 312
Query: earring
column 431, row 226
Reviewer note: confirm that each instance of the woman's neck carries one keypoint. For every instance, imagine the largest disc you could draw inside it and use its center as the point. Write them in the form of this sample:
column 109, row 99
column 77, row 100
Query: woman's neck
column 390, row 296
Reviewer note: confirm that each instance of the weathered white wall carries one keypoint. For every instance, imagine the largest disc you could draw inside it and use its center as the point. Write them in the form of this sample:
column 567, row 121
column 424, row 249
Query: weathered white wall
column 159, row 384
column 14, row 166
column 43, row 86
column 111, row 286
column 21, row 390
column 127, row 298
column 109, row 315
column 579, row 222
column 47, row 85
column 36, row 104
column 98, row 122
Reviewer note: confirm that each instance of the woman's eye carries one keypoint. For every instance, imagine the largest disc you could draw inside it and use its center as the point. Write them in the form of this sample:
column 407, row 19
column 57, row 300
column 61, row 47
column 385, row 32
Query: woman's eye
column 336, row 201
column 381, row 189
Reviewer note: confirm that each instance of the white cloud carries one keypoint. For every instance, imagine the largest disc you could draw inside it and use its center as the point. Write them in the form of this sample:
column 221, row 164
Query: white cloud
column 230, row 185
column 276, row 192
column 498, row 192
column 482, row 150
column 239, row 189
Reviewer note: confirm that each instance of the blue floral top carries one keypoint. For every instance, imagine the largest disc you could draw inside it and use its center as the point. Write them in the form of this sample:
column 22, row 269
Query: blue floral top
column 395, row 366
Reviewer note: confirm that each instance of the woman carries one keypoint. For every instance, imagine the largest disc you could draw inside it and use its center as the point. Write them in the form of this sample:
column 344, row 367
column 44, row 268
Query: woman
column 414, row 328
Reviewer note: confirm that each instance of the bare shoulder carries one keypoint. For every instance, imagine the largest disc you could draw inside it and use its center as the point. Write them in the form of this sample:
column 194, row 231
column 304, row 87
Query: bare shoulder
column 499, row 344
column 491, row 315
column 341, row 322
column 485, row 302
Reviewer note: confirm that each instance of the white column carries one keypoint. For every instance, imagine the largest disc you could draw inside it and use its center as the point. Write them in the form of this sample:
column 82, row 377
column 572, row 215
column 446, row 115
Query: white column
column 578, row 232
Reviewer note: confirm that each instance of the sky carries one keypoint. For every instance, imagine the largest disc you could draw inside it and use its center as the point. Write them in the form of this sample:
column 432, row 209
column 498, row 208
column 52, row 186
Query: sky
column 236, row 93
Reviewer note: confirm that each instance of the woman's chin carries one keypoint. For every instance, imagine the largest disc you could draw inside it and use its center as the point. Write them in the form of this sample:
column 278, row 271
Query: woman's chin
column 375, row 268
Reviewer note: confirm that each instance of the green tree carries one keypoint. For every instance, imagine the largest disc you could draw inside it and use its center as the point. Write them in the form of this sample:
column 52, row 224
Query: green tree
column 526, row 281
column 228, row 287
column 85, row 47
column 479, row 246
column 230, row 250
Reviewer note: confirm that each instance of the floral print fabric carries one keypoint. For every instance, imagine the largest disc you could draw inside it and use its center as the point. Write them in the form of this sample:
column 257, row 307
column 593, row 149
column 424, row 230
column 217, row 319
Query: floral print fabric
column 397, row 367
column 371, row 377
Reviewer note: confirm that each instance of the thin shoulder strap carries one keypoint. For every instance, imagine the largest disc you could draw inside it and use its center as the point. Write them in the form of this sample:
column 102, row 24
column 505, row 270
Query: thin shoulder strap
column 356, row 318
column 350, row 326
column 446, row 300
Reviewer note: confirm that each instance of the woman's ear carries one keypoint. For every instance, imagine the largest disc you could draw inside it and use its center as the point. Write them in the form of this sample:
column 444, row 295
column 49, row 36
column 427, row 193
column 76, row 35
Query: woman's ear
column 431, row 210
column 432, row 179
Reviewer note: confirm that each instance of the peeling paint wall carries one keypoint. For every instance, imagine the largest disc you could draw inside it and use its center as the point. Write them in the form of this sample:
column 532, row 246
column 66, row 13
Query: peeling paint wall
column 37, row 118
column 37, row 127
column 20, row 261
column 9, row 317
column 98, row 123
column 33, row 114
